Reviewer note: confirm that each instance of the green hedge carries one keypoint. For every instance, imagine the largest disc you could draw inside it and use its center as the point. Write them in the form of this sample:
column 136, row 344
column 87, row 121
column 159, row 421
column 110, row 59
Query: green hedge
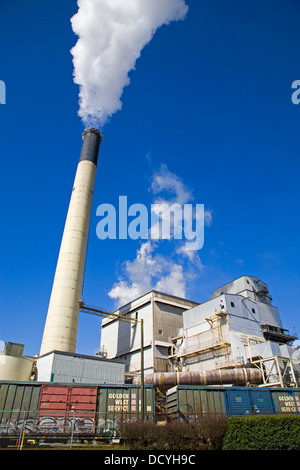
column 265, row 432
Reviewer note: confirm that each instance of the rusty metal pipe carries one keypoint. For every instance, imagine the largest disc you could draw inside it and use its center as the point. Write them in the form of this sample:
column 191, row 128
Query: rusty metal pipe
column 236, row 376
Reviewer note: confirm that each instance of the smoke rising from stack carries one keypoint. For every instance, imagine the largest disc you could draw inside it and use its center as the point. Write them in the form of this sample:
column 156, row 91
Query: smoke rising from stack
column 112, row 34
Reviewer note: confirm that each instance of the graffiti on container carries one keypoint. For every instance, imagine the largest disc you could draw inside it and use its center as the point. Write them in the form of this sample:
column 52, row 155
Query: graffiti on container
column 48, row 425
column 108, row 428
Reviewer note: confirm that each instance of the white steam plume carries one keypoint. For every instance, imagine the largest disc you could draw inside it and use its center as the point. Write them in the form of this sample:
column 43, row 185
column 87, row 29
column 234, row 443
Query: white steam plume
column 172, row 273
column 112, row 34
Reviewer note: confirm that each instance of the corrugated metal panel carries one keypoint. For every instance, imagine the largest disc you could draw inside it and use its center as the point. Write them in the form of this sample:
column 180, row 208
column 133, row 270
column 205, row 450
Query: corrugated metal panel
column 239, row 402
column 86, row 370
column 261, row 401
column 18, row 398
column 53, row 400
column 172, row 403
column 297, row 399
column 189, row 402
column 64, row 400
column 83, row 400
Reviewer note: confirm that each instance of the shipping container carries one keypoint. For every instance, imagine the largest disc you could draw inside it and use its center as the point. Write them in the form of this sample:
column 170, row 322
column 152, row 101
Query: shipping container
column 124, row 402
column 187, row 403
column 57, row 410
column 119, row 404
column 97, row 411
column 190, row 402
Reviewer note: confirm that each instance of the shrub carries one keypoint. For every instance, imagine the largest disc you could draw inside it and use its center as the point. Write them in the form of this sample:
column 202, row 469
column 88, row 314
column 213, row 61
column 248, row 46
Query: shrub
column 266, row 432
column 207, row 434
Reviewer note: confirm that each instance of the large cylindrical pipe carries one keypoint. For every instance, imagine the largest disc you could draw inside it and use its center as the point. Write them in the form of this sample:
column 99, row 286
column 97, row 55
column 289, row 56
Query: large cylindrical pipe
column 60, row 331
column 236, row 376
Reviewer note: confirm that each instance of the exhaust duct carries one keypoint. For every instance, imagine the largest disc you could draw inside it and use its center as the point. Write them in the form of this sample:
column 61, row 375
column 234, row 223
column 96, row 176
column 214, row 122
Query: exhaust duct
column 236, row 376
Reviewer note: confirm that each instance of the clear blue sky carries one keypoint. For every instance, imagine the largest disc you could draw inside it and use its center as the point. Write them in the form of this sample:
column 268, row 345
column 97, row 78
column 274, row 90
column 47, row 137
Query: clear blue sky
column 210, row 98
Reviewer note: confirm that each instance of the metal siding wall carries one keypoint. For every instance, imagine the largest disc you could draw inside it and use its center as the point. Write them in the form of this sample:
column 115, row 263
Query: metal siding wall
column 16, row 399
column 192, row 402
column 61, row 400
column 239, row 402
column 297, row 399
column 69, row 369
column 210, row 402
column 197, row 403
column 83, row 400
column 203, row 400
column 53, row 400
column 172, row 404
column 181, row 403
column 261, row 402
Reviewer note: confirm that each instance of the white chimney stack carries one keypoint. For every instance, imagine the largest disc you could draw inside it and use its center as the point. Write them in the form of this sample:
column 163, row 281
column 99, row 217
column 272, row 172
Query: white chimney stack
column 60, row 331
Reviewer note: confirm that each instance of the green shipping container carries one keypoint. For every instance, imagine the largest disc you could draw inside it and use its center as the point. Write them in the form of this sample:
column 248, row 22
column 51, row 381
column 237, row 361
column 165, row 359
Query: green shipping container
column 121, row 404
column 18, row 400
column 189, row 403
column 286, row 401
column 124, row 402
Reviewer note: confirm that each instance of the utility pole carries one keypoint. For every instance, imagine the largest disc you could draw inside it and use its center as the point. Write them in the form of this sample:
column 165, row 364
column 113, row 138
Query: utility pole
column 142, row 371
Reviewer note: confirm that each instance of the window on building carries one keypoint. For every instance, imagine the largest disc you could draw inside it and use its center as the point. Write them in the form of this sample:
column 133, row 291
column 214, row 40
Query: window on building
column 232, row 304
column 160, row 332
column 253, row 310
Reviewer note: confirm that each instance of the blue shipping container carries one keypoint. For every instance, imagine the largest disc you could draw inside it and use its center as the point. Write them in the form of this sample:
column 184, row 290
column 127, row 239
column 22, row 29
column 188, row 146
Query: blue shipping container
column 245, row 402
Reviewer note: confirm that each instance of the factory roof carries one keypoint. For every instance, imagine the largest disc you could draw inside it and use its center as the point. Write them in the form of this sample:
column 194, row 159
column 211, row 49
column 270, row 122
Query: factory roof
column 82, row 356
column 157, row 294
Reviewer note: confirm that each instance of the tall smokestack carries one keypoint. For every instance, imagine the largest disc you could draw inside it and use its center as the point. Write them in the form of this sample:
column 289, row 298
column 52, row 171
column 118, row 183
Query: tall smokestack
column 60, row 331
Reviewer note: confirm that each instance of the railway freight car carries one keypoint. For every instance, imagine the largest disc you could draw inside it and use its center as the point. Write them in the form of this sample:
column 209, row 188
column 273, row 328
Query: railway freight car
column 188, row 403
column 58, row 411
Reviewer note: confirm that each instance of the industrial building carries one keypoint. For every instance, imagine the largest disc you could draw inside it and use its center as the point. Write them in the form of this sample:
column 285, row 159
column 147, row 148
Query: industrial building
column 235, row 338
column 62, row 367
column 161, row 357
column 162, row 315
column 238, row 327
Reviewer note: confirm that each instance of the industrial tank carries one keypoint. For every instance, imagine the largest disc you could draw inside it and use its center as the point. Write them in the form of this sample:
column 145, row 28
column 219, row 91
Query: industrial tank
column 15, row 368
